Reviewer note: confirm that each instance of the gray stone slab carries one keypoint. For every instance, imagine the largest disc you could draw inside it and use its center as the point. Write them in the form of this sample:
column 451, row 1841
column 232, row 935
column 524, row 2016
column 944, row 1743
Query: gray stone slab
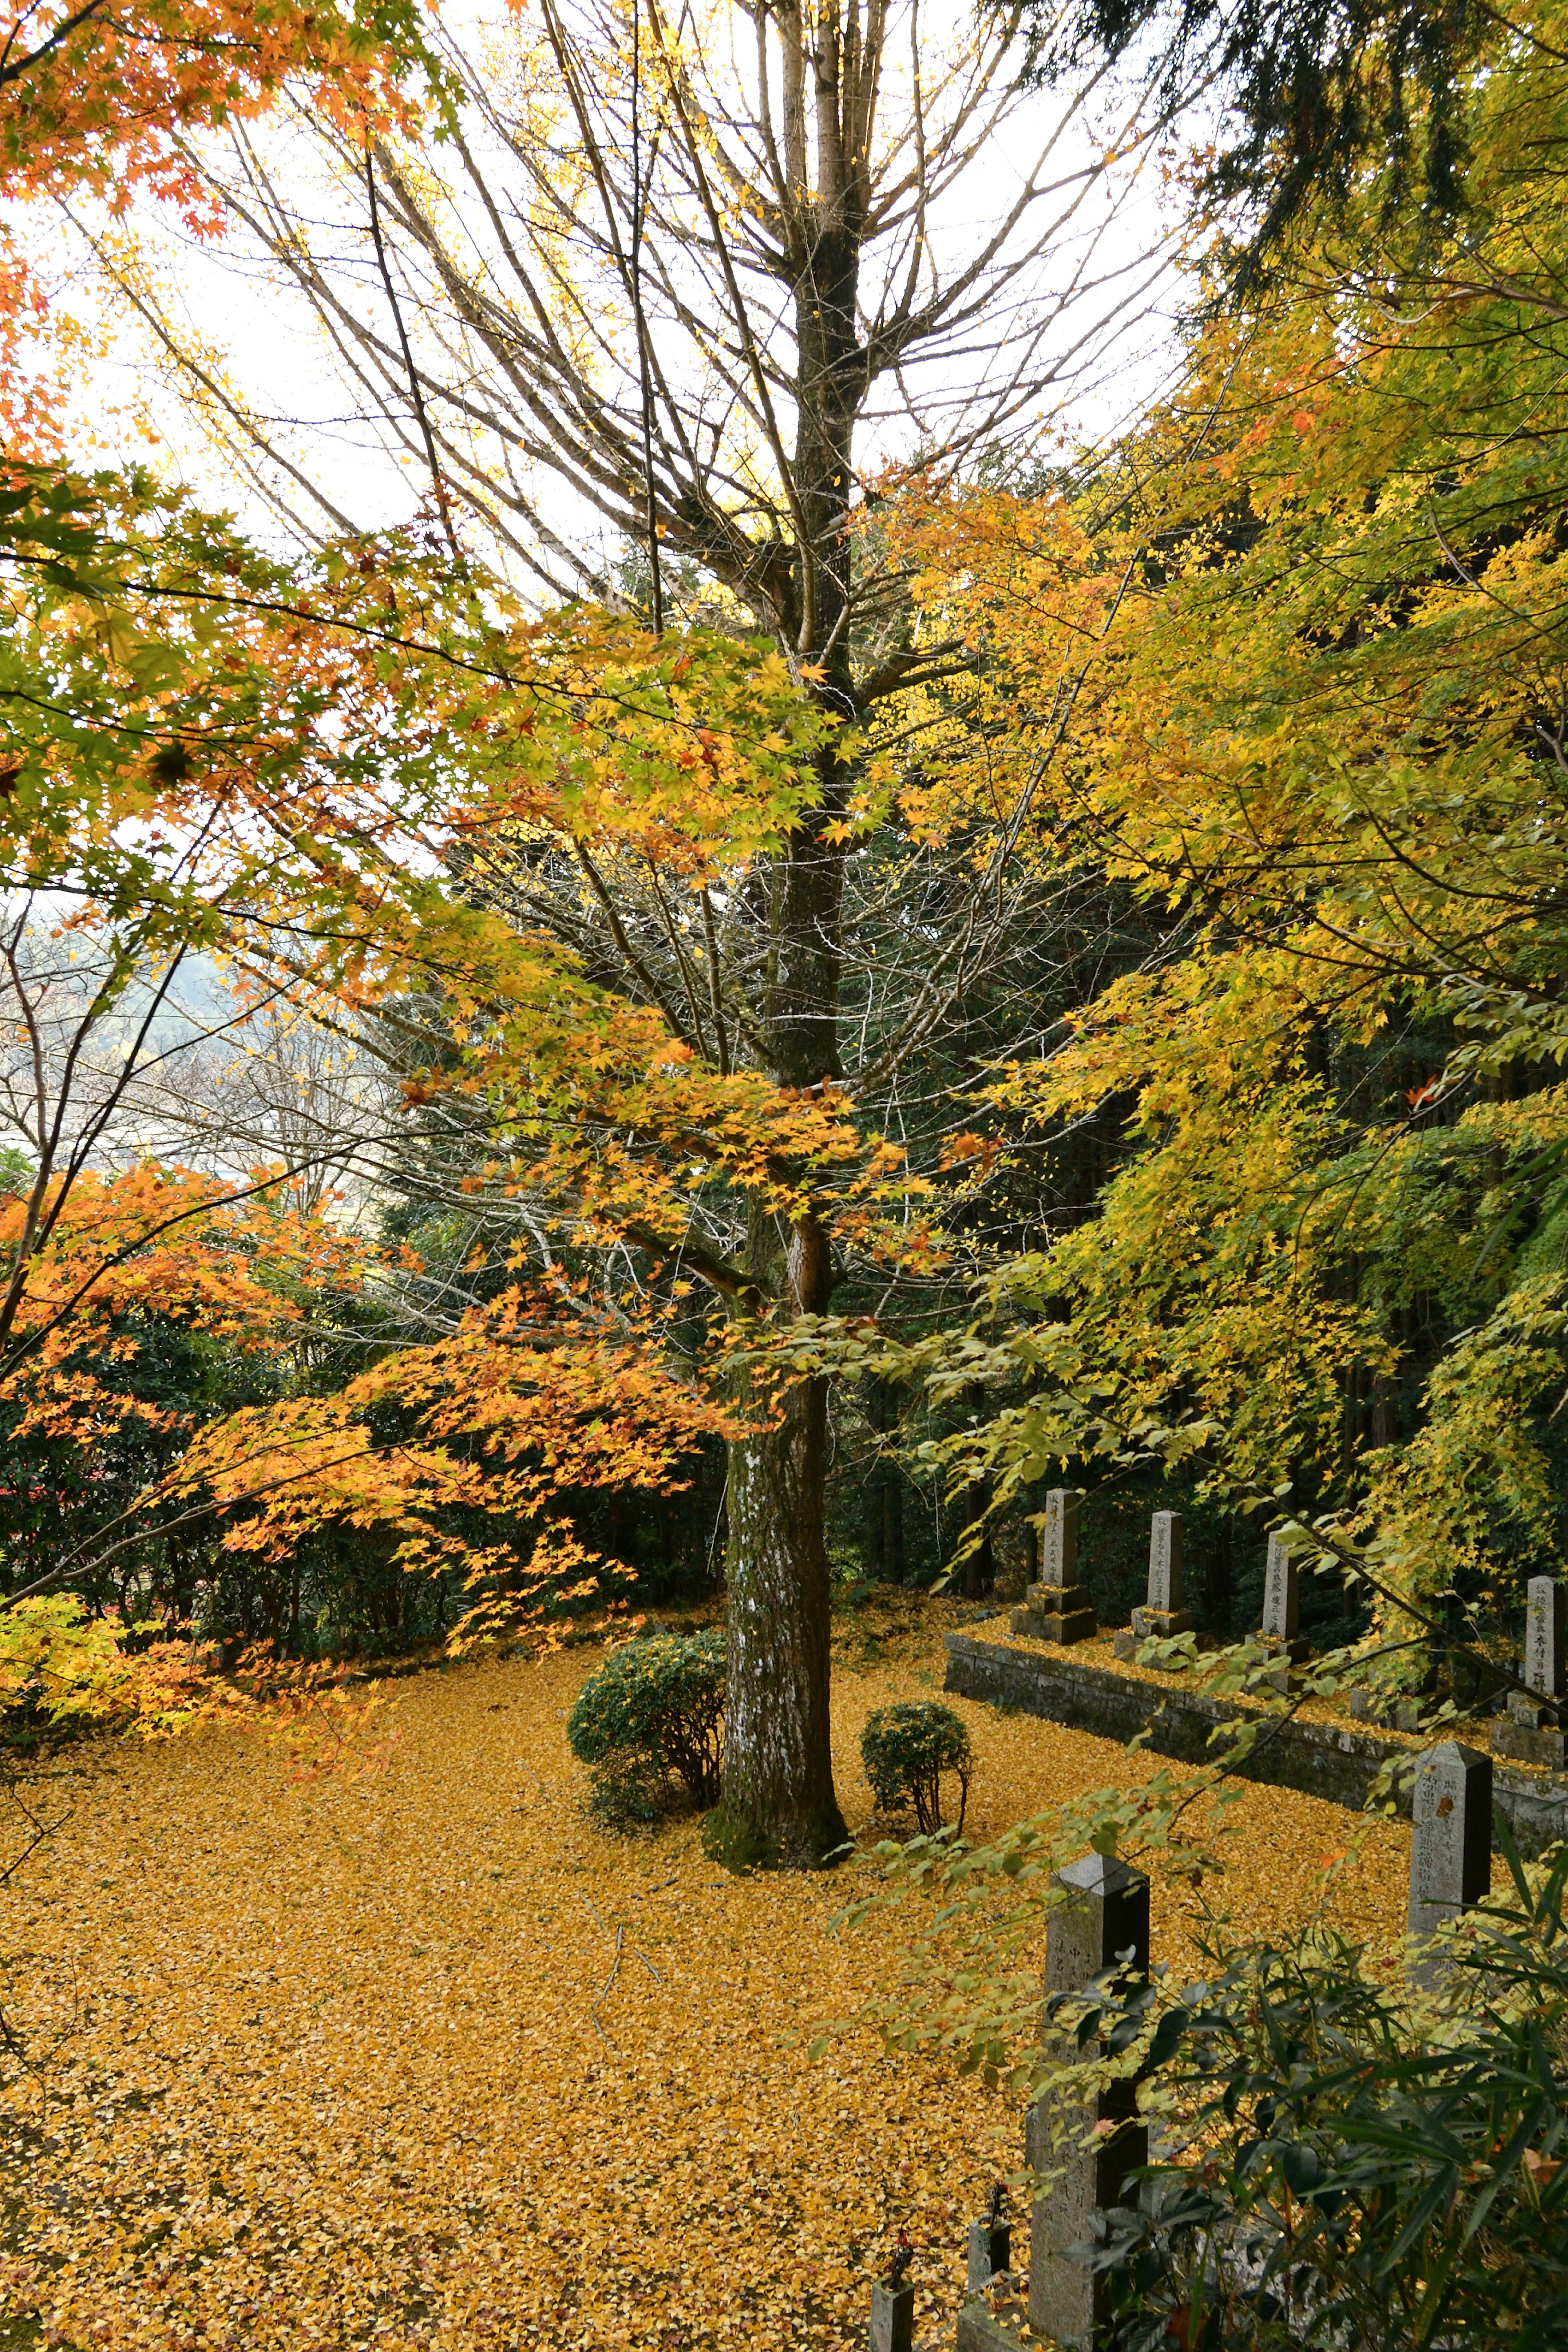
column 1165, row 1594
column 1067, row 2301
column 892, row 2319
column 1062, row 1626
column 1451, row 1850
column 1281, row 1594
column 989, row 2250
column 1103, row 1918
column 1103, row 1913
column 979, row 2331
column 1325, row 1759
column 1059, row 1537
column 1545, row 1634
column 1529, row 1743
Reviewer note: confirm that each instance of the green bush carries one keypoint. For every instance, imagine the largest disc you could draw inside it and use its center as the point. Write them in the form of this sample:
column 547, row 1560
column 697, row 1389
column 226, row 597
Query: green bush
column 906, row 1750
column 1355, row 2173
column 648, row 1726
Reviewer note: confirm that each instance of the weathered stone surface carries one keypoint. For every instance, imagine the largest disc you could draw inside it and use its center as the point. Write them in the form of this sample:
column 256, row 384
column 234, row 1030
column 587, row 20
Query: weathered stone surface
column 1530, row 1732
column 1055, row 1612
column 892, row 2319
column 1059, row 1537
column 1325, row 1759
column 1281, row 1595
column 1451, row 1852
column 989, row 2250
column 1527, row 1743
column 1165, row 1562
column 1103, row 1914
column 1159, row 1624
column 979, row 2330
column 1057, row 1600
column 1545, row 1636
column 1078, row 1625
column 1102, row 1919
column 1393, row 1715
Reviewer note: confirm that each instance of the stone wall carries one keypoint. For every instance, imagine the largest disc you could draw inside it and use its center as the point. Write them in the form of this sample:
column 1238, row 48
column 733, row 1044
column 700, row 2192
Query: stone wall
column 1322, row 1759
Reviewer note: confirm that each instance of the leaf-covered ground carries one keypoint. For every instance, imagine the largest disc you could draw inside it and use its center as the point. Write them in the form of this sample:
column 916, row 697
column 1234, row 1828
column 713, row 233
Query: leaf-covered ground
column 425, row 2058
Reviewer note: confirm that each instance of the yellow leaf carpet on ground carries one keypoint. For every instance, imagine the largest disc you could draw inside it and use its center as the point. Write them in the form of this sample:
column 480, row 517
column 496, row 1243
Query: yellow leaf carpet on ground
column 354, row 2063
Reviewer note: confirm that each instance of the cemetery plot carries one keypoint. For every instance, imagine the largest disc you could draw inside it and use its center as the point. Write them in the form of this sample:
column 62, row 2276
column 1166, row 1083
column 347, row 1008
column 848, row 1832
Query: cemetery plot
column 1329, row 1748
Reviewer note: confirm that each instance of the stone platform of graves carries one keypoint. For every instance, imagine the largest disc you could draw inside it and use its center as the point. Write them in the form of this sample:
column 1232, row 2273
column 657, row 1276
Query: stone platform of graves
column 1037, row 1666
column 1034, row 2275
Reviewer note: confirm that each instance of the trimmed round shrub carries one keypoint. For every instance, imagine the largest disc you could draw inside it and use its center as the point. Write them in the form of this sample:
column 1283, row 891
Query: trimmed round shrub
column 649, row 1725
column 906, row 1750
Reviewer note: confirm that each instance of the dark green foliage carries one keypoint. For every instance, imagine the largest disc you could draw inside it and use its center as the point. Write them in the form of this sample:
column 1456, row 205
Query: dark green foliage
column 649, row 1725
column 906, row 1750
column 1313, row 90
column 1364, row 2180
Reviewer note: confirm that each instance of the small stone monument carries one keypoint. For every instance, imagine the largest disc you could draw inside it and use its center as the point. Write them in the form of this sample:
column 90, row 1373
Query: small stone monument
column 893, row 2305
column 1163, row 1614
column 1532, row 1731
column 1058, row 1608
column 1105, row 1914
column 1282, row 1631
column 990, row 2244
column 1451, row 1848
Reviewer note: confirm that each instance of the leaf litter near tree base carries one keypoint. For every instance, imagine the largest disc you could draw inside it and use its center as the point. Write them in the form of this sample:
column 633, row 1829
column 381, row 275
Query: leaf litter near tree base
column 356, row 2062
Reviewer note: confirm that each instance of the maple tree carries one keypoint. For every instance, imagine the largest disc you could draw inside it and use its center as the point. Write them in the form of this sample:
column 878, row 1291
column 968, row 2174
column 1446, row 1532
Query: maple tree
column 98, row 99
column 265, row 777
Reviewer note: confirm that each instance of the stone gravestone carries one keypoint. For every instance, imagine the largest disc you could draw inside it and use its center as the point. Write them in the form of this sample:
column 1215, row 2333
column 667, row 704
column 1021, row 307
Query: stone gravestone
column 1281, row 1629
column 1058, row 1608
column 1163, row 1614
column 1451, row 1845
column 1532, row 1731
column 893, row 2307
column 1105, row 1913
column 990, row 2245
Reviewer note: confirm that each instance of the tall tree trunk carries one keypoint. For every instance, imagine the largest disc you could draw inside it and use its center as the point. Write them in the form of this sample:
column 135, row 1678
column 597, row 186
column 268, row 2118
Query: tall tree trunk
column 778, row 1767
column 778, row 1770
column 980, row 1568
column 778, row 1763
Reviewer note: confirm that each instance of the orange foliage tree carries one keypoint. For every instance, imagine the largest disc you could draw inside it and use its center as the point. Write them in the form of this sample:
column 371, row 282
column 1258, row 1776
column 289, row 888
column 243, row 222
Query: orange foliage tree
column 99, row 99
column 263, row 775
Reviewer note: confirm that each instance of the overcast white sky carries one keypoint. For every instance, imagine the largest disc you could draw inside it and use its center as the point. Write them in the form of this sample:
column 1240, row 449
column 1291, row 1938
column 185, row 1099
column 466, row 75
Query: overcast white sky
column 276, row 354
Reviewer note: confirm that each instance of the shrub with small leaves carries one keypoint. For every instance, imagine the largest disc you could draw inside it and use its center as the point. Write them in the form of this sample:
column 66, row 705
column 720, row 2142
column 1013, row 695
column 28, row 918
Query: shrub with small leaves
column 649, row 1725
column 906, row 1750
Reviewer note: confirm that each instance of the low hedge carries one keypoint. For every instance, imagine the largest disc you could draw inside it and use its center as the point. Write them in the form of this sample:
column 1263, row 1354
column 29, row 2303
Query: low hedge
column 906, row 1750
column 649, row 1726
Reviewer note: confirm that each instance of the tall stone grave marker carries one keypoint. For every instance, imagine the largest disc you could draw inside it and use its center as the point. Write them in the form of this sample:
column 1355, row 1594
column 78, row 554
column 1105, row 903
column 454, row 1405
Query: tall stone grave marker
column 1281, row 1631
column 1532, row 1731
column 1162, row 1615
column 1105, row 1913
column 1058, row 1608
column 1451, row 1847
